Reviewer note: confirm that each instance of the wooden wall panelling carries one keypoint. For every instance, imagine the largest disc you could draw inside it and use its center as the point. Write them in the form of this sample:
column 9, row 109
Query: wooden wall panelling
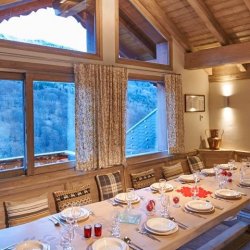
column 211, row 157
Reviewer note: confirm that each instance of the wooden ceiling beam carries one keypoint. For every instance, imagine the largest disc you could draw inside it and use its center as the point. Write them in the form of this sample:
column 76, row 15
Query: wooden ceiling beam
column 13, row 3
column 207, row 17
column 74, row 10
column 230, row 54
column 157, row 17
column 247, row 2
column 137, row 33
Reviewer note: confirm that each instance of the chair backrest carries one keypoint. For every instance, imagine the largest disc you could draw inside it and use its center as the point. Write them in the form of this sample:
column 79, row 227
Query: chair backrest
column 143, row 179
column 109, row 185
column 173, row 171
column 70, row 197
column 195, row 163
column 19, row 212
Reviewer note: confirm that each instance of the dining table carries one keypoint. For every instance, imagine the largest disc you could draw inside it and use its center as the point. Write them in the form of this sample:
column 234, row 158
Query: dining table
column 190, row 225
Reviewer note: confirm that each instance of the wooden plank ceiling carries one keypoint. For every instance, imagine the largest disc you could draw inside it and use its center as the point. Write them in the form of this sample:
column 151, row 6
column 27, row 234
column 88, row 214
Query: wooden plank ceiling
column 198, row 26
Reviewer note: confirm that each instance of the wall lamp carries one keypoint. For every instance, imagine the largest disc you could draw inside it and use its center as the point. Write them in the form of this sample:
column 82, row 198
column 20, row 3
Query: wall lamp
column 226, row 102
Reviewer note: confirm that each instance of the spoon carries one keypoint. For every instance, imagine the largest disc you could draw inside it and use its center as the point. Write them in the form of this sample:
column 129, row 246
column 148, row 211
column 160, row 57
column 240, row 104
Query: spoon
column 129, row 242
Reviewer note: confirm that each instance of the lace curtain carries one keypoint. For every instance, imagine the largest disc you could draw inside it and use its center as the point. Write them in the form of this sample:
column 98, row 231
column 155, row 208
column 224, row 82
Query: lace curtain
column 175, row 113
column 100, row 115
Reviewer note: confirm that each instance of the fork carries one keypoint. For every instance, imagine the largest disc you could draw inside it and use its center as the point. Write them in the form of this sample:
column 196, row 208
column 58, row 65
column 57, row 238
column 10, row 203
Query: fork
column 216, row 198
column 144, row 232
column 216, row 206
column 114, row 203
column 194, row 214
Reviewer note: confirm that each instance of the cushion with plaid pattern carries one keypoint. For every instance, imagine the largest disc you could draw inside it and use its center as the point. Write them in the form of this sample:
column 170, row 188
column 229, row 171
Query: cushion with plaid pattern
column 172, row 172
column 143, row 179
column 109, row 185
column 76, row 196
column 195, row 163
column 19, row 212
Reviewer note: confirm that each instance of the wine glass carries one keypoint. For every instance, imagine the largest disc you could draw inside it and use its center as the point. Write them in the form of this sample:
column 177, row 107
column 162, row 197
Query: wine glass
column 196, row 176
column 130, row 196
column 195, row 191
column 176, row 200
column 165, row 202
column 162, row 186
column 76, row 214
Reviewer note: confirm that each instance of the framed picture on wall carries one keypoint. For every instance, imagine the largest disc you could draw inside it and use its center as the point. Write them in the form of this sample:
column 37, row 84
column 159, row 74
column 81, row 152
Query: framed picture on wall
column 194, row 103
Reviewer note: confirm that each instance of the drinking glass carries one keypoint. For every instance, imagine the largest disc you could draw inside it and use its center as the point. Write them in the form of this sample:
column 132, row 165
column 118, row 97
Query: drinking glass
column 222, row 179
column 115, row 225
column 66, row 238
column 216, row 170
column 176, row 200
column 130, row 196
column 162, row 186
column 231, row 164
column 165, row 202
column 195, row 191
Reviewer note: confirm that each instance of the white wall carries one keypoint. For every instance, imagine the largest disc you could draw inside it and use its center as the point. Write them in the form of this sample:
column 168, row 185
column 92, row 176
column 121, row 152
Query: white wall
column 235, row 119
column 194, row 82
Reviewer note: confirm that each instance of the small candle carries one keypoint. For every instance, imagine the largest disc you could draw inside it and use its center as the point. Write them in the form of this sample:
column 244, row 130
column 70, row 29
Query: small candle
column 87, row 231
column 98, row 229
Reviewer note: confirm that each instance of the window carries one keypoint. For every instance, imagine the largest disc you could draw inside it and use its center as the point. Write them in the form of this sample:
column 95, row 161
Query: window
column 65, row 25
column 139, row 42
column 54, row 119
column 145, row 104
column 11, row 125
column 37, row 123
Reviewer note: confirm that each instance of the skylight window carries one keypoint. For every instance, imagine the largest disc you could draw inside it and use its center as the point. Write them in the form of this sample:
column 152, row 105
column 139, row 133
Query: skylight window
column 44, row 27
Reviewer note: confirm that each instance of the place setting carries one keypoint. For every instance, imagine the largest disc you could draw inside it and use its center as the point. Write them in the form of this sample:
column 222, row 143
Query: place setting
column 200, row 206
column 208, row 172
column 161, row 226
column 29, row 245
column 187, row 178
column 129, row 198
column 161, row 186
column 228, row 194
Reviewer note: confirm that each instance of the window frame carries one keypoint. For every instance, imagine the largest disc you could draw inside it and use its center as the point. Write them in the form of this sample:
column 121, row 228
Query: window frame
column 98, row 55
column 161, row 121
column 28, row 78
column 133, row 62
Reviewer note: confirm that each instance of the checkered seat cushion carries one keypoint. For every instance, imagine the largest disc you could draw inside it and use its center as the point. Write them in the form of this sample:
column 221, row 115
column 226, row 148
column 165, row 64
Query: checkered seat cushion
column 67, row 198
column 172, row 172
column 143, row 179
column 195, row 163
column 19, row 212
column 109, row 185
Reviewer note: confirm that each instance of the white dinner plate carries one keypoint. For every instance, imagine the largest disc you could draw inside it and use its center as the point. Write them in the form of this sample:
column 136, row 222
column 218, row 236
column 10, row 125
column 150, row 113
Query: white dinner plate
column 245, row 182
column 161, row 225
column 208, row 171
column 121, row 197
column 108, row 243
column 156, row 186
column 161, row 233
column 226, row 167
column 83, row 215
column 227, row 194
column 186, row 178
column 31, row 245
column 199, row 205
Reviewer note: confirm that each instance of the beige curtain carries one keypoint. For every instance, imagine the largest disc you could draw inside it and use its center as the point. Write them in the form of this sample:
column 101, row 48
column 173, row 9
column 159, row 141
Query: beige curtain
column 100, row 115
column 175, row 113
